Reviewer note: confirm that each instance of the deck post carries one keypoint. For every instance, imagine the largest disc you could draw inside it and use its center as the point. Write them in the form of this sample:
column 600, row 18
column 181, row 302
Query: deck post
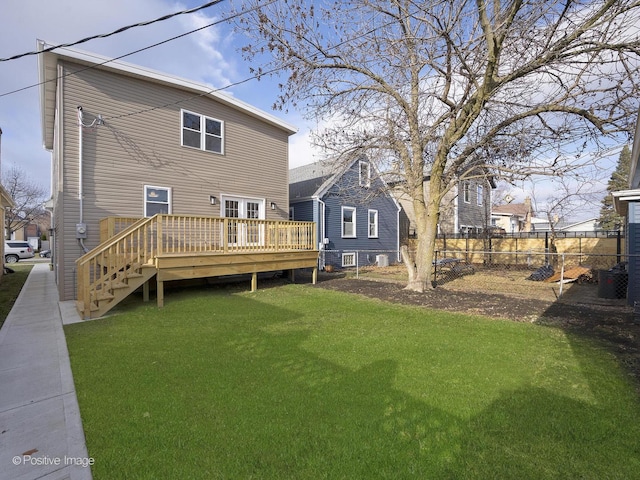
column 314, row 276
column 145, row 291
column 292, row 275
column 254, row 281
column 160, row 293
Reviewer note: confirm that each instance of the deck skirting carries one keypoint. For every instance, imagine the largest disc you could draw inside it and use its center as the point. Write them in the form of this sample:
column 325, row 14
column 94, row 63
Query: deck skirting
column 182, row 267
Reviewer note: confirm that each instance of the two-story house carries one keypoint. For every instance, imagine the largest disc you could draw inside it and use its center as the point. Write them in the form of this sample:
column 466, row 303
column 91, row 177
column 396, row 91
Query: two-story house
column 464, row 210
column 357, row 218
column 145, row 168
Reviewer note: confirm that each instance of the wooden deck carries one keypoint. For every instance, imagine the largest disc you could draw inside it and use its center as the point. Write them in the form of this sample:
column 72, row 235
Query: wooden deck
column 177, row 247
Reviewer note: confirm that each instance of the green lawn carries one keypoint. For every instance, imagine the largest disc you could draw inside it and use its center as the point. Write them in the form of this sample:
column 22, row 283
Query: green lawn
column 10, row 288
column 300, row 382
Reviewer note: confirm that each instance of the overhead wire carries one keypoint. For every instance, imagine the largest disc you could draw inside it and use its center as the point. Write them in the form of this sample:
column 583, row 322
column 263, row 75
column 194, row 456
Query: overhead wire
column 213, row 90
column 231, row 17
column 245, row 80
column 119, row 30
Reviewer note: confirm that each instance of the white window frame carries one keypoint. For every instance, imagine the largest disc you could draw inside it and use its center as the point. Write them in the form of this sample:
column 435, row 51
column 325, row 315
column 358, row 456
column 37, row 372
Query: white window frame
column 480, row 194
column 466, row 192
column 342, row 222
column 347, row 255
column 364, row 182
column 374, row 224
column 203, row 132
column 155, row 187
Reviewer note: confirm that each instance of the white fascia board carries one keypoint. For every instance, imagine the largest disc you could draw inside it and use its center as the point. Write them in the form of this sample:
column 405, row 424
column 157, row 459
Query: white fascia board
column 621, row 200
column 150, row 74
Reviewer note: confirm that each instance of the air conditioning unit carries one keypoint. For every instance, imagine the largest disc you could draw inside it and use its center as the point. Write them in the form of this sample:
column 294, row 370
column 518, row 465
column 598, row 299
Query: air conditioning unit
column 382, row 260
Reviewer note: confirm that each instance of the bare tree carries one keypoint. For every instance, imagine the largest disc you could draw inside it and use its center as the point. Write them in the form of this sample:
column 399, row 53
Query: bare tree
column 568, row 197
column 28, row 196
column 438, row 89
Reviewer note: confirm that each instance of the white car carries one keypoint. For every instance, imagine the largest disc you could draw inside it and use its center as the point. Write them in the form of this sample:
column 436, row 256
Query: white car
column 15, row 250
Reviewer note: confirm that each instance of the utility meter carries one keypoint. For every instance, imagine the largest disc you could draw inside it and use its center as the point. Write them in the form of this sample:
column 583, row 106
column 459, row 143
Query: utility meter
column 81, row 230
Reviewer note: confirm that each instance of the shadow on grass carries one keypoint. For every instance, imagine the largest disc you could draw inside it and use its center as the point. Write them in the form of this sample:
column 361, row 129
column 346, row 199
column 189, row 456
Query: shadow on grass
column 224, row 386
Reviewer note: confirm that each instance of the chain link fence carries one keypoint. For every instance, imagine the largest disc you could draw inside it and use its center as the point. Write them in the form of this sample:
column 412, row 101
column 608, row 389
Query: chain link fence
column 607, row 271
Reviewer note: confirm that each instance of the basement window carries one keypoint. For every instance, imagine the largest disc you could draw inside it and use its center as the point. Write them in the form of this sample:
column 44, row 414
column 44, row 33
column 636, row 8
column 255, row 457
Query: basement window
column 349, row 259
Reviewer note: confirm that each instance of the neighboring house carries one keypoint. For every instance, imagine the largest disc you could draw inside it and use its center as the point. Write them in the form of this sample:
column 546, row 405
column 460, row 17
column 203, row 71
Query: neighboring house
column 513, row 217
column 465, row 209
column 29, row 231
column 543, row 225
column 127, row 141
column 353, row 210
column 589, row 225
column 627, row 203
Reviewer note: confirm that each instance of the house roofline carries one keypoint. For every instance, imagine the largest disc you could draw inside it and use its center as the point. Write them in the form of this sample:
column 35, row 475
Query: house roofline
column 5, row 198
column 634, row 173
column 47, row 74
column 621, row 200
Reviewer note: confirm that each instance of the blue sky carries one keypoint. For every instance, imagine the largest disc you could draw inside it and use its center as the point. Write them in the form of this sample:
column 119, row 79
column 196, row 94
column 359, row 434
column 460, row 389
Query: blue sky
column 209, row 56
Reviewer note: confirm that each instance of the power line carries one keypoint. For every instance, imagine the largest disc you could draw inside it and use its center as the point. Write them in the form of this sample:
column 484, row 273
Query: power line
column 203, row 94
column 137, row 51
column 119, row 30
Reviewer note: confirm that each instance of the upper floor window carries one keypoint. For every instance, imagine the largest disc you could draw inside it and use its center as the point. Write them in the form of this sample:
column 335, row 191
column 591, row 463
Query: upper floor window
column 202, row 132
column 365, row 174
column 480, row 195
column 156, row 200
column 466, row 195
column 373, row 224
column 348, row 222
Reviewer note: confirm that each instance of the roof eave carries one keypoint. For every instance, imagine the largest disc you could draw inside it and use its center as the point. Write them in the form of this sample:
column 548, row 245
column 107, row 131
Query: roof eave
column 151, row 75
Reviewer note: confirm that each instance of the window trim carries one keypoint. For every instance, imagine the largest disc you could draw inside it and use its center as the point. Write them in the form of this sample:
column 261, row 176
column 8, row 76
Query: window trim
column 375, row 224
column 366, row 182
column 203, row 132
column 349, row 254
column 342, row 222
column 466, row 192
column 156, row 187
column 479, row 194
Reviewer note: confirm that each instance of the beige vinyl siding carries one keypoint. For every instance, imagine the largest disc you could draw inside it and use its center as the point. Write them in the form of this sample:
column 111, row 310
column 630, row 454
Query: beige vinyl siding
column 130, row 151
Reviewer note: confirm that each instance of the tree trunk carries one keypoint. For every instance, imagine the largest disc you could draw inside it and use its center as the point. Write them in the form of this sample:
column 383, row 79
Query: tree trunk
column 427, row 228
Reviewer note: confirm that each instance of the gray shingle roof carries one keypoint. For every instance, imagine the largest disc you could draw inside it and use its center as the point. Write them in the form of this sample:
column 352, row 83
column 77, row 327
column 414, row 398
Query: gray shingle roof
column 307, row 180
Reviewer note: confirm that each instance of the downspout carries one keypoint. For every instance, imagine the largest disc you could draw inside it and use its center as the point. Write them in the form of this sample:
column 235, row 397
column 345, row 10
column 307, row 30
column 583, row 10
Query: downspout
column 322, row 231
column 81, row 229
column 456, row 220
column 80, row 184
column 398, row 233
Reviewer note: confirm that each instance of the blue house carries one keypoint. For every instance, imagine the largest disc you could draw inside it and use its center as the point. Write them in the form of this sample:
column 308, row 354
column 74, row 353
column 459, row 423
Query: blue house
column 359, row 223
column 627, row 203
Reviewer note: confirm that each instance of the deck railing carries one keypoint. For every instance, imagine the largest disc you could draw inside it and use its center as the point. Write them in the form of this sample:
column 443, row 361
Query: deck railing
column 141, row 241
column 182, row 234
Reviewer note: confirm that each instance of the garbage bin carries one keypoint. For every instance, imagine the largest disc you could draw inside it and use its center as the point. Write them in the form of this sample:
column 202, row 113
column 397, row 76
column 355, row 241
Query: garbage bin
column 612, row 283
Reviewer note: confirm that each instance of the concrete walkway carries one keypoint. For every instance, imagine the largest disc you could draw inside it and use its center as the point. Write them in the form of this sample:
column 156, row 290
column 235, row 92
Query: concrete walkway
column 41, row 434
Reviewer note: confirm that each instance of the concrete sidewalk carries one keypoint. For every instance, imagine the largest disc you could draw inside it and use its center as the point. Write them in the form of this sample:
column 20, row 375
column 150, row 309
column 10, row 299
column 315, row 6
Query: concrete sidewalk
column 41, row 434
